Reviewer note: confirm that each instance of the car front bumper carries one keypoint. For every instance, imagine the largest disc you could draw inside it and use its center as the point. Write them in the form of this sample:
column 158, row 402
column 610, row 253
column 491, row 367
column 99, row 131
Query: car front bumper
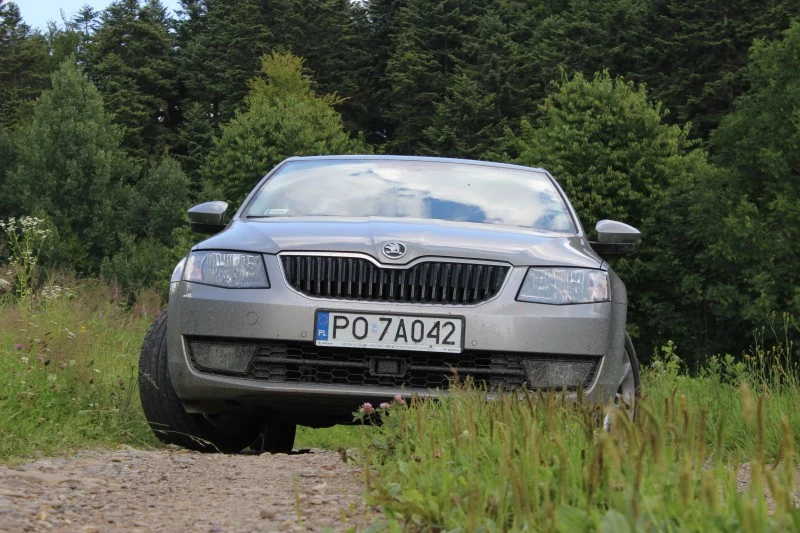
column 281, row 315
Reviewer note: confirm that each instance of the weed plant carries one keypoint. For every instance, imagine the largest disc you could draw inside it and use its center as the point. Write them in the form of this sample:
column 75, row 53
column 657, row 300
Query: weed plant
column 699, row 457
column 68, row 369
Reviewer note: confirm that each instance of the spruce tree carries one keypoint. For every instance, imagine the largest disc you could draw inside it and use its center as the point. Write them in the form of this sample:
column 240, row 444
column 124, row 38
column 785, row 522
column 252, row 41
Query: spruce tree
column 427, row 50
column 24, row 62
column 488, row 94
column 325, row 33
column 131, row 60
column 221, row 43
column 695, row 53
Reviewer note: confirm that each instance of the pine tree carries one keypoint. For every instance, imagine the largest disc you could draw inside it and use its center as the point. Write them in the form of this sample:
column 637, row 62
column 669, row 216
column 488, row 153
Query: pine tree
column 427, row 50
column 24, row 64
column 131, row 60
column 695, row 52
column 486, row 96
column 283, row 117
column 221, row 43
column 325, row 33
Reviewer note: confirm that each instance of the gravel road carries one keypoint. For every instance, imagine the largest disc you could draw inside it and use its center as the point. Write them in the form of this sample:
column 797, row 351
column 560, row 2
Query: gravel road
column 177, row 490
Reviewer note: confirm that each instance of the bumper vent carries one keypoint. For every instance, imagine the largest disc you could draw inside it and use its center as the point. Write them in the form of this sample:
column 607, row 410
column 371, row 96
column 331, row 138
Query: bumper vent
column 302, row 362
column 352, row 278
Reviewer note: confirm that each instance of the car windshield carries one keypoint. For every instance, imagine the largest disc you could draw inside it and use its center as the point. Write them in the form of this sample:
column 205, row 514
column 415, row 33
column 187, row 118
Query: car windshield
column 439, row 190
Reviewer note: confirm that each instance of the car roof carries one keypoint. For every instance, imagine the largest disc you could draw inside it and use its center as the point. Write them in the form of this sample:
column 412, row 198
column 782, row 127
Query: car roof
column 368, row 157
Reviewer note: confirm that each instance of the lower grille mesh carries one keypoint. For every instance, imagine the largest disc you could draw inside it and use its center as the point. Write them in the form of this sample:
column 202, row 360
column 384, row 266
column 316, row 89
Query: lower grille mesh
column 302, row 362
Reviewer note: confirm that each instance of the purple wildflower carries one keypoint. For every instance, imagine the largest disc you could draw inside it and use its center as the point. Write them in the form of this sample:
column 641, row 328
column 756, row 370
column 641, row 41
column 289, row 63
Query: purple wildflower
column 18, row 346
column 367, row 408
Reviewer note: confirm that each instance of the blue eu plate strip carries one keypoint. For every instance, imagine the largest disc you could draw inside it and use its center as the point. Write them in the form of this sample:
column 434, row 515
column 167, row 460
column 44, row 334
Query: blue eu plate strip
column 321, row 331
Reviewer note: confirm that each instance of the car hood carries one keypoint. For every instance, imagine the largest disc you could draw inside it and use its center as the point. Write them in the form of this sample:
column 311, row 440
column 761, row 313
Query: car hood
column 518, row 246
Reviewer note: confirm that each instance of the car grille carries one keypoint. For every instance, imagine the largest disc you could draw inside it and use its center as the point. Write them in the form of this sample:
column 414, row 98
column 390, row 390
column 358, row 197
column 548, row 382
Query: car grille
column 352, row 278
column 302, row 362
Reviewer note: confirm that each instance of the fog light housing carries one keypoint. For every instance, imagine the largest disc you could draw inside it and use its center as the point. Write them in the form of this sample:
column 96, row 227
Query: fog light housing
column 227, row 357
column 560, row 374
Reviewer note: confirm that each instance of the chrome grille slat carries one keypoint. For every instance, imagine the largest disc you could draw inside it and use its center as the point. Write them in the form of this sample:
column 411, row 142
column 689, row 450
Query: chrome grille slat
column 355, row 278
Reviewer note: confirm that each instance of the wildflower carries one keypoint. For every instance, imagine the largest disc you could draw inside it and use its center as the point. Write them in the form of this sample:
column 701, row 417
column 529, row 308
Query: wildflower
column 18, row 346
column 385, row 405
column 24, row 360
column 399, row 399
column 367, row 408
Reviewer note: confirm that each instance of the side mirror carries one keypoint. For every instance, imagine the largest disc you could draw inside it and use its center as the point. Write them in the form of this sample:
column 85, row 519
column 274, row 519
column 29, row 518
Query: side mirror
column 209, row 217
column 616, row 238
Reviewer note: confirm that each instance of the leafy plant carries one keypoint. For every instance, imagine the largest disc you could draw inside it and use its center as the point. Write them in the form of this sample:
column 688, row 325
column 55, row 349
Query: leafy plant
column 25, row 237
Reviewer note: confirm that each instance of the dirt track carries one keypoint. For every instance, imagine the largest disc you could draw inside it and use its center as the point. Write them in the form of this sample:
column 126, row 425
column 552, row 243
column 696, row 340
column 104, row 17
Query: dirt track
column 175, row 490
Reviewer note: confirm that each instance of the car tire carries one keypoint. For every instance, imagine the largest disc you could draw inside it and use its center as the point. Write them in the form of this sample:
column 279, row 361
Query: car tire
column 627, row 396
column 277, row 436
column 635, row 380
column 164, row 411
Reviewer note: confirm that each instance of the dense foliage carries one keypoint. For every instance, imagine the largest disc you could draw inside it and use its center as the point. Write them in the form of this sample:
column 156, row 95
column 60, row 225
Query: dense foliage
column 677, row 116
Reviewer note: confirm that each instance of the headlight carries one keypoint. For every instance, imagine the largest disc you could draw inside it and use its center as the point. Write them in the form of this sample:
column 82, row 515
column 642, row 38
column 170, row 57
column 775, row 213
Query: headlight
column 232, row 270
column 564, row 286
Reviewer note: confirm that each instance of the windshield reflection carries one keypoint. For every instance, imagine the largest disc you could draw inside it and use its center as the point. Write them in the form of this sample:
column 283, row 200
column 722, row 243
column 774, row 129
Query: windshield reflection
column 414, row 189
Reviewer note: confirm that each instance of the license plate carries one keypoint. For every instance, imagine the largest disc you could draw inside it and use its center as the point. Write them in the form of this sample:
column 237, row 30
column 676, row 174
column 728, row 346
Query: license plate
column 391, row 332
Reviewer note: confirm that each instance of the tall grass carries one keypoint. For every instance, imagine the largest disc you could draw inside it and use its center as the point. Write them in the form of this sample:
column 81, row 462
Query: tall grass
column 539, row 463
column 69, row 357
column 68, row 370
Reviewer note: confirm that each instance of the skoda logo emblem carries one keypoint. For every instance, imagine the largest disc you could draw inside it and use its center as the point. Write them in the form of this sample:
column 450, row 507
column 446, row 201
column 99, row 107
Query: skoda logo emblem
column 394, row 250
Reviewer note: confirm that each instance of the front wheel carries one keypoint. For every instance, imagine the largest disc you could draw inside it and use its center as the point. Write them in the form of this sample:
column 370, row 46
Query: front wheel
column 224, row 432
column 626, row 398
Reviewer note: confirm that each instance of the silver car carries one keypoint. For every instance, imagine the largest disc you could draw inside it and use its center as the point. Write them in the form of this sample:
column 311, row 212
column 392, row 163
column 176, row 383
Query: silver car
column 350, row 279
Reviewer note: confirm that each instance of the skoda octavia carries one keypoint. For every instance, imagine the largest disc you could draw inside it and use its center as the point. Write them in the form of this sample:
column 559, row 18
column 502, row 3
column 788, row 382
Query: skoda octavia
column 350, row 279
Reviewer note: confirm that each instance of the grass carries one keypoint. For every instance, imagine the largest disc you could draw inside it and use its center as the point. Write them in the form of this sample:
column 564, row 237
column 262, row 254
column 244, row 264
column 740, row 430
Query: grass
column 536, row 463
column 68, row 372
column 333, row 438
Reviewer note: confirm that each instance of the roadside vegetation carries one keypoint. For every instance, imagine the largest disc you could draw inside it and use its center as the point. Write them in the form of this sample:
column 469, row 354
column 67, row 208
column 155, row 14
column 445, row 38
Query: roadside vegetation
column 68, row 369
column 707, row 443
column 699, row 457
